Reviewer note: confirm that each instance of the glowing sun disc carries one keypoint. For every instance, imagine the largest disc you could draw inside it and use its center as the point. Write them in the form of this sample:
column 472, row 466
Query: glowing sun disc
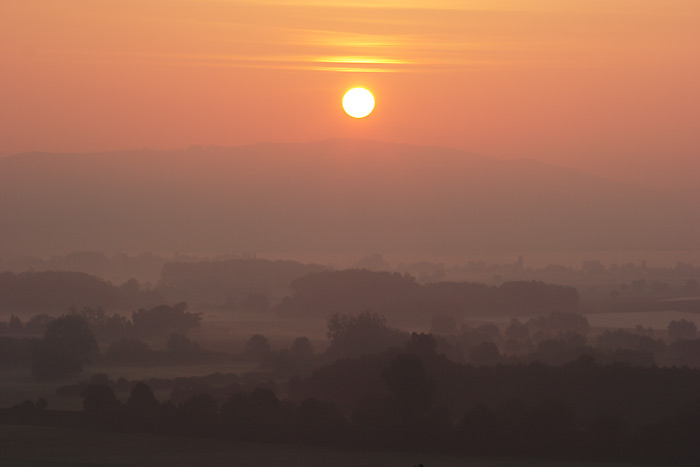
column 358, row 102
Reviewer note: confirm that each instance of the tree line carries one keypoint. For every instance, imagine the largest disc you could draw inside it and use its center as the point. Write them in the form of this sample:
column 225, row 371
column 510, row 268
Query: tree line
column 414, row 398
column 69, row 341
column 57, row 291
column 286, row 287
column 402, row 299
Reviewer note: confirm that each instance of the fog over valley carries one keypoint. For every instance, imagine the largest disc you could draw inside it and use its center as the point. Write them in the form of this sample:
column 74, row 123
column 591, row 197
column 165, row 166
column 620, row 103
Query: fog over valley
column 330, row 197
column 354, row 234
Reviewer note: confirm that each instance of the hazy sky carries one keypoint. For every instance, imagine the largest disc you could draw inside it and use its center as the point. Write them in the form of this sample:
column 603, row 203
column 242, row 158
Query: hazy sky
column 602, row 85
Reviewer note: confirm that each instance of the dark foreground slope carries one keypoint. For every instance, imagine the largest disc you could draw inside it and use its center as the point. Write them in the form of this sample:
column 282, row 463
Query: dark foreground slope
column 22, row 446
column 328, row 197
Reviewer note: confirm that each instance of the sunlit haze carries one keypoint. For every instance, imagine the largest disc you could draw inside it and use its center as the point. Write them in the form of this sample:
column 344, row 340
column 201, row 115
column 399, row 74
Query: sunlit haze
column 380, row 233
column 609, row 87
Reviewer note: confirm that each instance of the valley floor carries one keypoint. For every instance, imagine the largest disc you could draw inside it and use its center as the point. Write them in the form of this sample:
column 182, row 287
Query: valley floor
column 31, row 446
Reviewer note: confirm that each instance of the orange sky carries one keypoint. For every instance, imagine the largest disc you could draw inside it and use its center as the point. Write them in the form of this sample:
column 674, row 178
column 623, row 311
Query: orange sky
column 602, row 85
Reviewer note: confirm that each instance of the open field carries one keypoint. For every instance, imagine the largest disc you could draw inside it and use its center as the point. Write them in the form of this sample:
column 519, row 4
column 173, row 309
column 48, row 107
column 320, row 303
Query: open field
column 17, row 385
column 25, row 446
column 229, row 330
column 223, row 331
column 649, row 319
column 657, row 320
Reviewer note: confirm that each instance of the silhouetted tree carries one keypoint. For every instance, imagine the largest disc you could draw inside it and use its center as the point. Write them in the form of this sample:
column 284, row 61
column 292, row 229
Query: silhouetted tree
column 225, row 282
column 517, row 331
column 53, row 290
column 257, row 348
column 690, row 286
column 256, row 302
column 484, row 354
column 682, row 330
column 163, row 319
column 301, row 348
column 142, row 407
column 352, row 335
column 98, row 397
column 17, row 352
column 321, row 422
column 186, row 388
column 443, row 324
column 684, row 352
column 37, row 323
column 199, row 415
column 101, row 407
column 421, row 344
column 42, row 403
column 373, row 262
column 258, row 416
column 550, row 427
column 129, row 352
column 15, row 325
column 480, row 429
column 24, row 413
column 182, row 348
column 353, row 291
column 484, row 333
column 409, row 386
column 141, row 398
column 66, row 346
column 116, row 326
column 556, row 323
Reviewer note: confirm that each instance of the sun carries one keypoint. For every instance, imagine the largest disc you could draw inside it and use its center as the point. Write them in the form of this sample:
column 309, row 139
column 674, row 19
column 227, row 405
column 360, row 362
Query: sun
column 358, row 102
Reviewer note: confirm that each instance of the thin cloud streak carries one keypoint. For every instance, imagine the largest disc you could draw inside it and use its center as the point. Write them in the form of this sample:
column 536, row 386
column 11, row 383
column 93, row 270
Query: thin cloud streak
column 396, row 36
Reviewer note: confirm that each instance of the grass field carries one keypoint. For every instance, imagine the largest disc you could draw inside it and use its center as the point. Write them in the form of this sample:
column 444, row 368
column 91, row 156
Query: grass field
column 25, row 446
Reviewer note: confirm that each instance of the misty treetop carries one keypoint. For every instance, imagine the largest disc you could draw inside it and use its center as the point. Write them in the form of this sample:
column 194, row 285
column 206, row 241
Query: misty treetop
column 146, row 323
column 400, row 297
column 116, row 267
column 165, row 318
column 70, row 340
column 67, row 345
column 567, row 396
column 366, row 333
column 415, row 399
column 61, row 290
column 52, row 290
column 151, row 322
column 236, row 284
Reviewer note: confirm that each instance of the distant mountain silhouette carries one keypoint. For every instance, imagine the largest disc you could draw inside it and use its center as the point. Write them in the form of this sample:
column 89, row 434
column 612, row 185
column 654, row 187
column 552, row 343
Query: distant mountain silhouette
column 330, row 196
